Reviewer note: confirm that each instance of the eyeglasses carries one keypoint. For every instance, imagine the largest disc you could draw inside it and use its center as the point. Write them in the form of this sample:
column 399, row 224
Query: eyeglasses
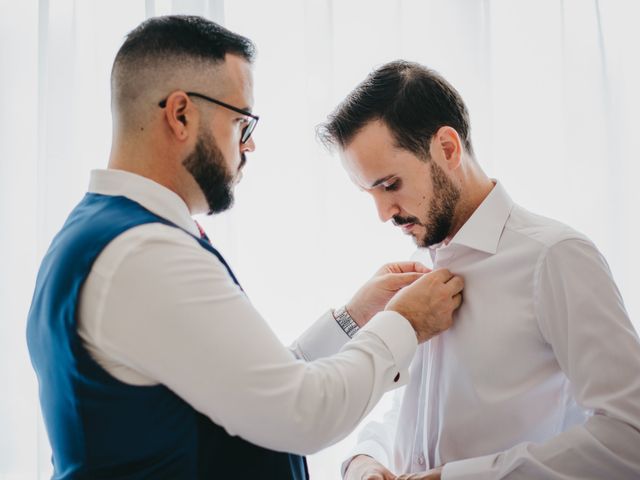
column 246, row 131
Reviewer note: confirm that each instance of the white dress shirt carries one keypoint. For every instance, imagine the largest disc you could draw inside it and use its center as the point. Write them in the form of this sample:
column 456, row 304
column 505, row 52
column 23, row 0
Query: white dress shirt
column 539, row 377
column 159, row 308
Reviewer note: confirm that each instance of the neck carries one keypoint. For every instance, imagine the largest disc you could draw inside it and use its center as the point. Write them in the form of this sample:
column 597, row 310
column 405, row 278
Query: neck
column 152, row 163
column 474, row 188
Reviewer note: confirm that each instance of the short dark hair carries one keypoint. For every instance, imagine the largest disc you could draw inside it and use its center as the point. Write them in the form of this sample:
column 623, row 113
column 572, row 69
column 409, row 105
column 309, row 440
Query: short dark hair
column 413, row 101
column 182, row 35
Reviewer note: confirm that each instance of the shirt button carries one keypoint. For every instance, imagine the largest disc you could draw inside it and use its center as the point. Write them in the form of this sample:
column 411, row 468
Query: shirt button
column 420, row 459
column 397, row 378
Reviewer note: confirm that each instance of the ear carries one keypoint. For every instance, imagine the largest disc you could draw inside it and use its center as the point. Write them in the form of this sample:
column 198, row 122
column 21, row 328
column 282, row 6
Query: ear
column 179, row 114
column 448, row 142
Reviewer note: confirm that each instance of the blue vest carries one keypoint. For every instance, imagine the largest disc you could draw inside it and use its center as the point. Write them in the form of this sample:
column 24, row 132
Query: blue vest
column 99, row 427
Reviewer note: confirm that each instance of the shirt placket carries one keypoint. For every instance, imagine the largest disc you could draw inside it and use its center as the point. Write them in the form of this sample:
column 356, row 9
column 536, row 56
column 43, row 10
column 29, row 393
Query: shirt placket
column 418, row 459
column 441, row 259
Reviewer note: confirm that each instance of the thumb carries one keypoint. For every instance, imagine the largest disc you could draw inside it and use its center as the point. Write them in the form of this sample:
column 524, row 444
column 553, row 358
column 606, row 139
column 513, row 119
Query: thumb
column 396, row 281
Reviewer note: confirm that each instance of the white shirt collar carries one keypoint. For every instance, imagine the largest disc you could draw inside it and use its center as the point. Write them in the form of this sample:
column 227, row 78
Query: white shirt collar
column 151, row 195
column 483, row 229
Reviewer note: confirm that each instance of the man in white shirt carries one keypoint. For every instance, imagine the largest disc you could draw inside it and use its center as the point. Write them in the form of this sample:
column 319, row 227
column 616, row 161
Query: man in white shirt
column 540, row 375
column 152, row 362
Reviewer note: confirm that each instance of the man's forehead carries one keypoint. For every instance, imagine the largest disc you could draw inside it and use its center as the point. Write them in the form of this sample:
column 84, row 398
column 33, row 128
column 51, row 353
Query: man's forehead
column 367, row 171
column 371, row 157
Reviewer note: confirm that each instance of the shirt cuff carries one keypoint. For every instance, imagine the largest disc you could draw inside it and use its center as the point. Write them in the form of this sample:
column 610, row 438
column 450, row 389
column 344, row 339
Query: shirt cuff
column 370, row 448
column 397, row 334
column 322, row 339
column 478, row 468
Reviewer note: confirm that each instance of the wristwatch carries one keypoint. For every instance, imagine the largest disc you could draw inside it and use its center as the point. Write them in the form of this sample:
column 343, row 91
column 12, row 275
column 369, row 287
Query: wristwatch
column 346, row 322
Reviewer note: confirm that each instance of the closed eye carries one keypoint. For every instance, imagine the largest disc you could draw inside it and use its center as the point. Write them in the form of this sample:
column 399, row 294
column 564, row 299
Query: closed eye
column 392, row 187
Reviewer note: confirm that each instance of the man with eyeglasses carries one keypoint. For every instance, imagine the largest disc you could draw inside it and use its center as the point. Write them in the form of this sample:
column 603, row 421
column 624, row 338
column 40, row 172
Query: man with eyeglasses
column 152, row 362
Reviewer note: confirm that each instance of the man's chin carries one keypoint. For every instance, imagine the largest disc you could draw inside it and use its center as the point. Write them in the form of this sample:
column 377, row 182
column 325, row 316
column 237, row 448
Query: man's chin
column 418, row 237
column 221, row 207
column 423, row 241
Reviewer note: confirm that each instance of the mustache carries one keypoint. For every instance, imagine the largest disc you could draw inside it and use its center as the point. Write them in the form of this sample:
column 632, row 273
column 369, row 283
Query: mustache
column 243, row 160
column 398, row 220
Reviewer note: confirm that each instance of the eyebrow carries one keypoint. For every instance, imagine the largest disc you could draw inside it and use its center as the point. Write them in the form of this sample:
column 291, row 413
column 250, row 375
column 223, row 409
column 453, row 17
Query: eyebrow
column 381, row 180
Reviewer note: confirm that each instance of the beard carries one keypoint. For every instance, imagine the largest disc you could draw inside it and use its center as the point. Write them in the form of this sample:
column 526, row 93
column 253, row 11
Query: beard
column 440, row 211
column 208, row 167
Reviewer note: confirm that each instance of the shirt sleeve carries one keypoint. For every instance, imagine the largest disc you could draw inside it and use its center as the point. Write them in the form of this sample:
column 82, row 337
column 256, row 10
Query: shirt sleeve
column 172, row 313
column 582, row 316
column 322, row 339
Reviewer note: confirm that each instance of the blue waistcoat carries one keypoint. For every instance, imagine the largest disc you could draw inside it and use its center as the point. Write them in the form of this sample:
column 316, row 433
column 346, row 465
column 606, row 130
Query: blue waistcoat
column 99, row 427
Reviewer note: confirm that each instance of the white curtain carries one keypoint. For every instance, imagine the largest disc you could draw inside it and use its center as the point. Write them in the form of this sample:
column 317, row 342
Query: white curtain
column 552, row 86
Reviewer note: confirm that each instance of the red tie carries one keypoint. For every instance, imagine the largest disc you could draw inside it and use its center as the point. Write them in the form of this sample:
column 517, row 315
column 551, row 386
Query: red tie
column 203, row 235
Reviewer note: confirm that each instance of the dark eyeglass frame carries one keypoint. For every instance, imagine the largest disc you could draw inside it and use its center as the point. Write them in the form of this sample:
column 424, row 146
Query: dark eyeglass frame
column 246, row 131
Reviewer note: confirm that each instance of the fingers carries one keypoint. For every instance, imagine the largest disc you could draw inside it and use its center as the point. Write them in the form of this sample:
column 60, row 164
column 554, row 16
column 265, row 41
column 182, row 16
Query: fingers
column 363, row 467
column 406, row 267
column 442, row 274
column 434, row 474
column 456, row 284
column 415, row 267
column 457, row 301
column 395, row 281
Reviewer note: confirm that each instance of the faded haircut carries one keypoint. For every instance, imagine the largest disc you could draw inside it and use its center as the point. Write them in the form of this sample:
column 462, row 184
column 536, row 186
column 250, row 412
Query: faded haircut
column 163, row 44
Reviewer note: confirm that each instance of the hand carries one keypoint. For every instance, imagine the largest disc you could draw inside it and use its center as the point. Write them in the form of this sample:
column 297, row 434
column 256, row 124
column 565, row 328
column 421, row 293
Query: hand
column 429, row 302
column 363, row 467
column 376, row 293
column 430, row 475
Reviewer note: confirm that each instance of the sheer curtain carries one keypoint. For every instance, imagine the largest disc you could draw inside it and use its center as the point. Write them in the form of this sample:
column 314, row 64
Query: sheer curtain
column 551, row 86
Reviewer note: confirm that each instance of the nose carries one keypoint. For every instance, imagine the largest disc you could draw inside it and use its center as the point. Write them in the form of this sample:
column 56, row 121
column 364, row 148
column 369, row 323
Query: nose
column 386, row 207
column 249, row 146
